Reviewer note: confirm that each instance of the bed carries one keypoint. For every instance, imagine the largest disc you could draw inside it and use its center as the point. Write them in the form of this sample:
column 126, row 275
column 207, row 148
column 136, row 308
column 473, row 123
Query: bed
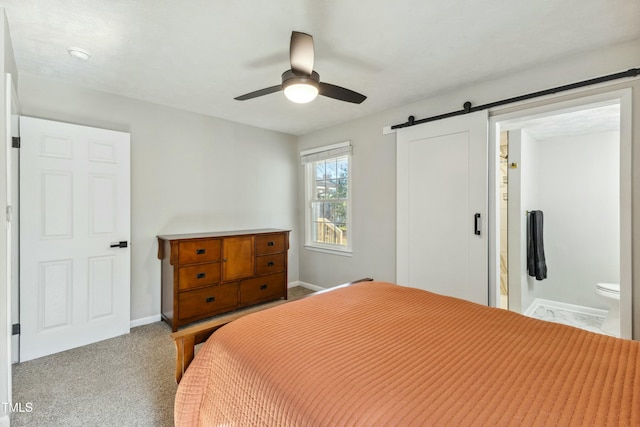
column 376, row 353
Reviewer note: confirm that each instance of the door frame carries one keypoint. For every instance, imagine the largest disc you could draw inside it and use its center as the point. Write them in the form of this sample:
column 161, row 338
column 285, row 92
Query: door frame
column 554, row 104
column 13, row 178
column 11, row 108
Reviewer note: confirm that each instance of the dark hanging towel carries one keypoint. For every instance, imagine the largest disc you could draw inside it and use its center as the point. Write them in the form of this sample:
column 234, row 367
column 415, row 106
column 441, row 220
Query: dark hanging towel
column 536, row 265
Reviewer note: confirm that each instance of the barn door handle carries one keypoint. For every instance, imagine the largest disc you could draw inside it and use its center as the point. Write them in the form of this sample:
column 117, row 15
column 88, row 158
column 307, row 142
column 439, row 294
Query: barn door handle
column 121, row 244
column 476, row 220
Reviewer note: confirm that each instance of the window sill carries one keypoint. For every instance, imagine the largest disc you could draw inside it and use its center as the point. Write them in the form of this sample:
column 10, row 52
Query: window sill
column 328, row 251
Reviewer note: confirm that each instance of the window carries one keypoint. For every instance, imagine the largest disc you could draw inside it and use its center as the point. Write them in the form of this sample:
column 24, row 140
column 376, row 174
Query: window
column 328, row 207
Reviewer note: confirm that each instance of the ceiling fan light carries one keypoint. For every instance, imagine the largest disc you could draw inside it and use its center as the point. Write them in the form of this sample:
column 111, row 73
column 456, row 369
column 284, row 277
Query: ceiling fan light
column 301, row 93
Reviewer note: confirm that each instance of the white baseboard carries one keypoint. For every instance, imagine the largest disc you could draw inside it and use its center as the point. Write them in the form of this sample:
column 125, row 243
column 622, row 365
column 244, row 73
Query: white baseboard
column 4, row 421
column 143, row 321
column 564, row 306
column 306, row 285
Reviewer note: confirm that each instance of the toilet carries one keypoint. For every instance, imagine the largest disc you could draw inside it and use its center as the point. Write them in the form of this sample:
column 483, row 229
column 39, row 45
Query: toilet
column 610, row 293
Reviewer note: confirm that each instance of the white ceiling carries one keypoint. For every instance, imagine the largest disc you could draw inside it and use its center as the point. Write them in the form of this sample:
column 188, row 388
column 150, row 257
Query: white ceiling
column 587, row 120
column 198, row 55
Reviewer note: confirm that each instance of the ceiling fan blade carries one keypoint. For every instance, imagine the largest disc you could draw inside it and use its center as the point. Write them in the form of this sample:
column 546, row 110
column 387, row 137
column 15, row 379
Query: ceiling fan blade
column 340, row 93
column 301, row 53
column 257, row 93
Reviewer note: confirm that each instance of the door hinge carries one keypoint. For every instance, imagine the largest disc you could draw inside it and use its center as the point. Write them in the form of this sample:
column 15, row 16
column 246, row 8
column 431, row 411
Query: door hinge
column 15, row 330
column 15, row 141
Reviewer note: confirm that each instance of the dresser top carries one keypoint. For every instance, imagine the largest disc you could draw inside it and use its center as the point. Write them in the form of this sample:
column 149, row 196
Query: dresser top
column 220, row 234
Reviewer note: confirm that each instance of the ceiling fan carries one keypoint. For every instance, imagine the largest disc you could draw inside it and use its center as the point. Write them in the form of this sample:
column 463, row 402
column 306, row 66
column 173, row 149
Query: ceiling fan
column 301, row 84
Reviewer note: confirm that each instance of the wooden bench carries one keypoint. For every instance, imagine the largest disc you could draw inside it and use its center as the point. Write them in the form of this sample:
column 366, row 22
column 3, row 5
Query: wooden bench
column 186, row 339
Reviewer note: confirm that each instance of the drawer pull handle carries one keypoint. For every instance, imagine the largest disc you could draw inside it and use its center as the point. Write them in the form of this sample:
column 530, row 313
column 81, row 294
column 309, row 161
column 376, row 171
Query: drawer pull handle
column 201, row 251
column 201, row 275
column 271, row 243
column 211, row 299
column 263, row 287
column 270, row 264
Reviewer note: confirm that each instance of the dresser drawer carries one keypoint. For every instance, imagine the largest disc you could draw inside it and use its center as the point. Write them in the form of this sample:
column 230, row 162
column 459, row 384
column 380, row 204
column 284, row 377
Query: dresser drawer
column 198, row 251
column 266, row 264
column 196, row 276
column 262, row 288
column 203, row 273
column 270, row 243
column 207, row 300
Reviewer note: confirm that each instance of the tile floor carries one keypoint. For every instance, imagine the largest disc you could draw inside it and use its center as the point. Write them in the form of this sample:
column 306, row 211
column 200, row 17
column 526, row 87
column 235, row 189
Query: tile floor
column 579, row 320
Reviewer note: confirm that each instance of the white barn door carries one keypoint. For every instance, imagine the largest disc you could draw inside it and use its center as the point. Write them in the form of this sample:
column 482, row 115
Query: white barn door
column 75, row 206
column 442, row 239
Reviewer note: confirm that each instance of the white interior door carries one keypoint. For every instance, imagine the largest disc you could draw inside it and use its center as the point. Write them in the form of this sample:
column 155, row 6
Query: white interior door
column 75, row 199
column 442, row 174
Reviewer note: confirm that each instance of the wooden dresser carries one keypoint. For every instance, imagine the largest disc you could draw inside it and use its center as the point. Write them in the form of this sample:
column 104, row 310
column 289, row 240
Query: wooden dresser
column 204, row 274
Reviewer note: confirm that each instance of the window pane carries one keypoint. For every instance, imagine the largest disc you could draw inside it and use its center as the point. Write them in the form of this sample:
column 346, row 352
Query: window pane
column 317, row 210
column 332, row 186
column 320, row 170
column 328, row 211
column 340, row 212
column 342, row 190
column 327, row 232
column 321, row 190
column 324, row 229
column 343, row 228
column 343, row 167
column 331, row 169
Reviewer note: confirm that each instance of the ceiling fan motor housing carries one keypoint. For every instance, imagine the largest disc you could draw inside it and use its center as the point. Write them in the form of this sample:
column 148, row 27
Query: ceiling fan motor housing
column 289, row 78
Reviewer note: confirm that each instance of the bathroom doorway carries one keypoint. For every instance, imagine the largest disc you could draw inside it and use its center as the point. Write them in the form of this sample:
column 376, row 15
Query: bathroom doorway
column 571, row 162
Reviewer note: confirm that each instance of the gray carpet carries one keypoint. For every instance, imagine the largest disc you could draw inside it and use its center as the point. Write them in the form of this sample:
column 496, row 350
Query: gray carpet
column 123, row 381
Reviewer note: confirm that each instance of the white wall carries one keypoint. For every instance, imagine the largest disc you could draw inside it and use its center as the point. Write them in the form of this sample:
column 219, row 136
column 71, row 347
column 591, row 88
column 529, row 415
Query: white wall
column 576, row 184
column 373, row 209
column 189, row 173
column 374, row 161
column 529, row 191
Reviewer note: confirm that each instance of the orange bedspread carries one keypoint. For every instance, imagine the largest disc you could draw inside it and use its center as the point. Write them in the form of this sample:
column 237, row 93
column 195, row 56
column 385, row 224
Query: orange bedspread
column 376, row 354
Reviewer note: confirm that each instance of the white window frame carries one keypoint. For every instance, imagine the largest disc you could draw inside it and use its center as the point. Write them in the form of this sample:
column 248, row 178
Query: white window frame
column 309, row 158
